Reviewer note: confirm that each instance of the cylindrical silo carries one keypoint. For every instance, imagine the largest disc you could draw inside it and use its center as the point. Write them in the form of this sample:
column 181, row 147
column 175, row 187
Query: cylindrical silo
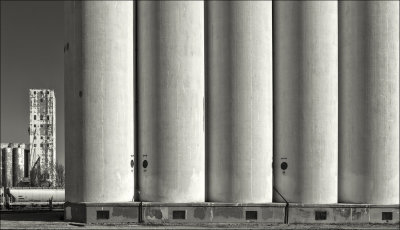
column 7, row 166
column 239, row 101
column 27, row 159
column 369, row 102
column 1, row 166
column 171, row 101
column 306, row 101
column 99, row 101
column 18, row 166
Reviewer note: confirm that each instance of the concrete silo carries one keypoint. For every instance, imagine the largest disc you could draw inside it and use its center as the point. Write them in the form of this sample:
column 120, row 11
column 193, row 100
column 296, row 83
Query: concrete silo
column 6, row 155
column 306, row 101
column 1, row 166
column 99, row 102
column 27, row 159
column 239, row 101
column 171, row 101
column 18, row 165
column 369, row 102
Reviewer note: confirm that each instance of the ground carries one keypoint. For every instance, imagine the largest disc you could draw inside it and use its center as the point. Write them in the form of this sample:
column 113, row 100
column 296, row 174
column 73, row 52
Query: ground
column 54, row 220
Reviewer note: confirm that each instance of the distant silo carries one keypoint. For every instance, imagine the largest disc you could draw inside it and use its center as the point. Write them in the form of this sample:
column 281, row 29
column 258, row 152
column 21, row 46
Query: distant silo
column 1, row 167
column 171, row 101
column 18, row 165
column 7, row 166
column 369, row 102
column 306, row 101
column 26, row 162
column 239, row 101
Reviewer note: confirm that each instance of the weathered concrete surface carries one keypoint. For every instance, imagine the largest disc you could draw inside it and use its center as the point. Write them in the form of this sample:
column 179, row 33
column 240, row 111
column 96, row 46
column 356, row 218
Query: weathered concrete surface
column 171, row 101
column 87, row 212
column 306, row 101
column 239, row 101
column 369, row 102
column 158, row 213
column 343, row 214
column 99, row 101
column 54, row 220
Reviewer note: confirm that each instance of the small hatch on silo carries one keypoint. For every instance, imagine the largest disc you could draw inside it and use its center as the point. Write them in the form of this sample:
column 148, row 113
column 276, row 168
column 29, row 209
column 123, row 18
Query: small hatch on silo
column 145, row 164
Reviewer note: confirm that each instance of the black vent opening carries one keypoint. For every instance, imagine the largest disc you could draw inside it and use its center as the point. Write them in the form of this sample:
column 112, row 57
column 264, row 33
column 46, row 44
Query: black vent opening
column 320, row 215
column 387, row 215
column 179, row 215
column 251, row 215
column 103, row 215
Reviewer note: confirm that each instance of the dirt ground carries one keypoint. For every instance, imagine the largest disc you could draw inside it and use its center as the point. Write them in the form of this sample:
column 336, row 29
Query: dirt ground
column 54, row 220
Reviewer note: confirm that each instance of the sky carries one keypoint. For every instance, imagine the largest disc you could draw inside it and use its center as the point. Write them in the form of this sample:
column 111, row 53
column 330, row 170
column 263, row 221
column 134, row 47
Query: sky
column 32, row 42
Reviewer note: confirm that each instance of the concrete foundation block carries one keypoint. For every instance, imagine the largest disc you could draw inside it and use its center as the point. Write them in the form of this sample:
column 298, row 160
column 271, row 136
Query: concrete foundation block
column 384, row 214
column 360, row 214
column 159, row 213
column 93, row 213
column 299, row 213
column 342, row 214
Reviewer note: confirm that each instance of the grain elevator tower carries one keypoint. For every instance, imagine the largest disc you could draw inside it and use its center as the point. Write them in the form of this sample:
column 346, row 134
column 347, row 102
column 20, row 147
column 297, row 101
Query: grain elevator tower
column 42, row 136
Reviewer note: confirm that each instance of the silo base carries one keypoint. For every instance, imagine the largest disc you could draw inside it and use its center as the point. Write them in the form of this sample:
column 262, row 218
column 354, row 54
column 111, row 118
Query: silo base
column 342, row 214
column 192, row 213
column 95, row 213
column 158, row 213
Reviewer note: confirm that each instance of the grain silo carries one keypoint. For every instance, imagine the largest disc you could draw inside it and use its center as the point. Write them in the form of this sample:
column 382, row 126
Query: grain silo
column 369, row 102
column 171, row 101
column 7, row 166
column 306, row 101
column 239, row 101
column 18, row 165
column 98, row 101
